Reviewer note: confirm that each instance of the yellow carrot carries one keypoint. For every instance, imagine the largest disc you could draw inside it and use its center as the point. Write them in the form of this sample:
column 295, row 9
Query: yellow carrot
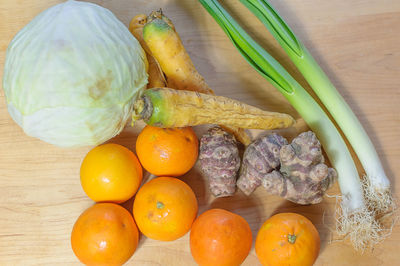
column 166, row 46
column 165, row 107
column 156, row 76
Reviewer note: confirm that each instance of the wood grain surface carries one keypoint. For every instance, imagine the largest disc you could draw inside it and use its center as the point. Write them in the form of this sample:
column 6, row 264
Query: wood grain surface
column 356, row 42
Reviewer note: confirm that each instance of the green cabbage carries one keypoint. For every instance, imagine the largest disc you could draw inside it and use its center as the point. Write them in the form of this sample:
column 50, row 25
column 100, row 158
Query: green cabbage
column 72, row 74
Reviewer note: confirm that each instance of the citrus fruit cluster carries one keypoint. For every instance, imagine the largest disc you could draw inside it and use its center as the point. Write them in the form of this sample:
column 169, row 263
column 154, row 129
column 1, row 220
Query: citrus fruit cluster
column 106, row 233
column 165, row 208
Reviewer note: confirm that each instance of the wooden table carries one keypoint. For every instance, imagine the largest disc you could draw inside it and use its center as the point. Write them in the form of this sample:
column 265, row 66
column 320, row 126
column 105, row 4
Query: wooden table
column 356, row 42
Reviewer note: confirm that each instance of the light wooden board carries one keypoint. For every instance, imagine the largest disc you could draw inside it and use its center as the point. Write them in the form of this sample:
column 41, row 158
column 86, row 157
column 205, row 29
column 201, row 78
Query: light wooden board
column 356, row 42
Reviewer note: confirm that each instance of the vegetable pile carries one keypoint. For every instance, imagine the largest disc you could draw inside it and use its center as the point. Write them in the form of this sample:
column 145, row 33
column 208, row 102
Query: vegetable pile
column 363, row 202
column 76, row 74
column 58, row 88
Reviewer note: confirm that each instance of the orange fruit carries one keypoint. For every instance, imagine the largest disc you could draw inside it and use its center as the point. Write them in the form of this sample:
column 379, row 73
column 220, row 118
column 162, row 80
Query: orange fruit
column 164, row 208
column 110, row 172
column 167, row 151
column 219, row 237
column 104, row 234
column 287, row 239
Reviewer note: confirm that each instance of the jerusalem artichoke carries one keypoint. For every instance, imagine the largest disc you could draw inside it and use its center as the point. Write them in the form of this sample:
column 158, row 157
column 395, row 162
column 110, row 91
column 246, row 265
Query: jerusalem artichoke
column 303, row 177
column 293, row 171
column 219, row 161
column 259, row 159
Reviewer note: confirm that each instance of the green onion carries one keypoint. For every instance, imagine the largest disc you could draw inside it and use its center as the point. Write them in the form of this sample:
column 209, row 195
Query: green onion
column 355, row 220
column 377, row 185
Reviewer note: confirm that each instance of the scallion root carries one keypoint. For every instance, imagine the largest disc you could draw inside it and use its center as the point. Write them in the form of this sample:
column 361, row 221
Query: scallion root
column 359, row 226
column 380, row 202
column 370, row 225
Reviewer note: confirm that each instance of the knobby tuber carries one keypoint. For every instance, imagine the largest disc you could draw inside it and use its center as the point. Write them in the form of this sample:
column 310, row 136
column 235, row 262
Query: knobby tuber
column 259, row 159
column 293, row 171
column 303, row 177
column 219, row 161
